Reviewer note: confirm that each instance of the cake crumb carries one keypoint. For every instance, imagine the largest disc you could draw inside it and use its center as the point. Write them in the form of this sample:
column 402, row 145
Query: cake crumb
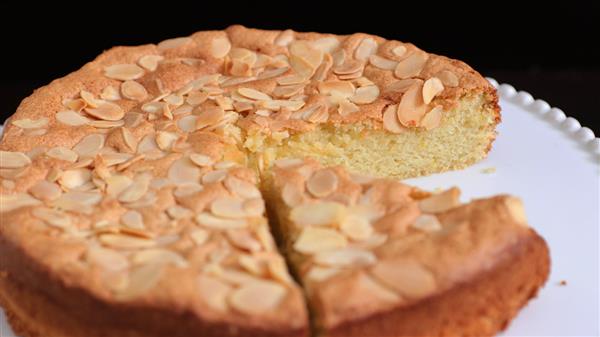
column 488, row 170
column 562, row 283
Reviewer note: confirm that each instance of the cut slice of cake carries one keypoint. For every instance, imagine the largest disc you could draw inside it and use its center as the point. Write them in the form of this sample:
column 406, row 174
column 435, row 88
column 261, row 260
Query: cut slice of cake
column 180, row 248
column 380, row 258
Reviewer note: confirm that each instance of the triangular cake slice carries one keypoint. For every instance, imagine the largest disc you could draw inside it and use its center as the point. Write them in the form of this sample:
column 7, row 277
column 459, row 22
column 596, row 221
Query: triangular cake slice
column 381, row 258
column 180, row 248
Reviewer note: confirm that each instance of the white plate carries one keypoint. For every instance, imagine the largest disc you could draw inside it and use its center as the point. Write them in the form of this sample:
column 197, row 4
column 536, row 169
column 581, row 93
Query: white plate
column 552, row 163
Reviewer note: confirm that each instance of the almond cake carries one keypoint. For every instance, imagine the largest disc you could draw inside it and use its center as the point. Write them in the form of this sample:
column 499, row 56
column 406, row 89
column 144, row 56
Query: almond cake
column 131, row 194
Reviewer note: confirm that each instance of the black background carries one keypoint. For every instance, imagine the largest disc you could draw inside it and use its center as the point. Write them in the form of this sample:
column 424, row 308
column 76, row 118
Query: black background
column 549, row 50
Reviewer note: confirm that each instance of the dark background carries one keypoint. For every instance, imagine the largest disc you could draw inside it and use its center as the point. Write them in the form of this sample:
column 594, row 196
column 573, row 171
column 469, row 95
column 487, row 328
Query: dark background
column 551, row 51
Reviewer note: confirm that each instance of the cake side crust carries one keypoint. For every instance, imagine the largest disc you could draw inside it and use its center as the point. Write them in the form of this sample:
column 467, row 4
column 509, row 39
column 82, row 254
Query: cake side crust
column 481, row 306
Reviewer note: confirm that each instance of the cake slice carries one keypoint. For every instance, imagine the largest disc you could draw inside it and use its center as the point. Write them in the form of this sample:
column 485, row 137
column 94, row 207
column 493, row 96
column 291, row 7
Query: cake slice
column 380, row 258
column 175, row 246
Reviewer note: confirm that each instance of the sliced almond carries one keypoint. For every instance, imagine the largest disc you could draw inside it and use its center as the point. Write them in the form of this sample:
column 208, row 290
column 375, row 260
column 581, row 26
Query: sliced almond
column 427, row 223
column 150, row 62
column 411, row 66
column 320, row 274
column 228, row 207
column 326, row 44
column 412, row 108
column 10, row 202
column 201, row 160
column 346, row 108
column 365, row 95
column 284, row 38
column 399, row 50
column 71, row 118
column 431, row 88
column 188, row 123
column 219, row 47
column 183, row 171
column 199, row 236
column 516, row 210
column 441, row 202
column 390, row 120
column 109, row 93
column 45, row 190
column 214, row 292
column 433, row 118
column 254, row 94
column 9, row 159
column 213, row 222
column 141, row 280
column 356, row 227
column 317, row 214
column 241, row 187
column 243, row 239
column 408, row 277
column 187, row 189
column 52, row 217
column 257, row 297
column 174, row 43
column 214, row 176
column 382, row 63
column 448, row 78
column 315, row 239
column 124, row 72
column 120, row 241
column 133, row 219
column 134, row 91
column 165, row 140
column 339, row 88
column 135, row 191
column 115, row 184
column 322, row 183
column 365, row 49
column 292, row 196
column 209, row 117
column 107, row 259
column 348, row 67
column 345, row 257
column 90, row 145
column 71, row 179
column 27, row 123
column 159, row 256
column 106, row 111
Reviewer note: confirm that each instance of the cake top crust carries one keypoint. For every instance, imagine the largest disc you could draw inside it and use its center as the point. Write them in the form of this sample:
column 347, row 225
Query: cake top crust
column 133, row 167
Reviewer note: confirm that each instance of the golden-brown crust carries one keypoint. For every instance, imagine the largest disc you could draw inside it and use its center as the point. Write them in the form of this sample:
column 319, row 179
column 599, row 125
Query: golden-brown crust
column 481, row 306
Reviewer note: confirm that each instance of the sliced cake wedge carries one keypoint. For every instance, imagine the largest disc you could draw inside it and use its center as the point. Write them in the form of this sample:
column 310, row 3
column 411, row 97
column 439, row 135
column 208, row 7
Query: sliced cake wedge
column 380, row 258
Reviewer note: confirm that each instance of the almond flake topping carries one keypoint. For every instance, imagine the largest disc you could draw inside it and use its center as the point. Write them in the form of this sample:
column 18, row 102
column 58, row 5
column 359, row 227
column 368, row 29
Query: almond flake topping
column 124, row 72
column 258, row 297
column 134, row 91
column 106, row 111
column 411, row 66
column 431, row 88
column 315, row 239
column 13, row 159
column 27, row 123
column 150, row 62
column 71, row 118
column 220, row 47
column 322, row 183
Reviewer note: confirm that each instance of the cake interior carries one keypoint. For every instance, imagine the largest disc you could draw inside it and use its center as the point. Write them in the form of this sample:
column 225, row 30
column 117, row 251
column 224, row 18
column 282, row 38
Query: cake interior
column 463, row 138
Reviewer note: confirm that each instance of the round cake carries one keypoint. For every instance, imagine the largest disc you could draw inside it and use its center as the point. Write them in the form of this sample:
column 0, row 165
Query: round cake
column 131, row 192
